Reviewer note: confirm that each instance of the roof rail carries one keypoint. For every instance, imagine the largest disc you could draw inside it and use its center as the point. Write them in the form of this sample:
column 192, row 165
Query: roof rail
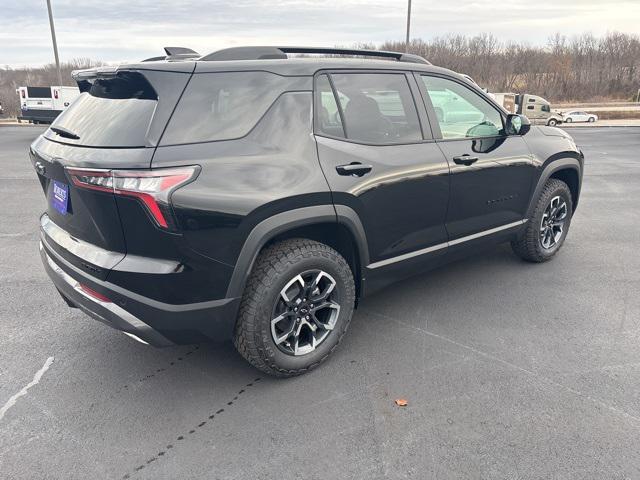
column 263, row 53
column 175, row 54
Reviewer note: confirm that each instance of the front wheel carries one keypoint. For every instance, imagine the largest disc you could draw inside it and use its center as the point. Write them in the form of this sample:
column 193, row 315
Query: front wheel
column 547, row 228
column 592, row 119
column 552, row 123
column 568, row 120
column 297, row 306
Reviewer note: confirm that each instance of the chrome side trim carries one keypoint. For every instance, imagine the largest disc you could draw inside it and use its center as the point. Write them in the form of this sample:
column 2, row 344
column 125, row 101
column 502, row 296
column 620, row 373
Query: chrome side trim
column 440, row 246
column 407, row 256
column 487, row 232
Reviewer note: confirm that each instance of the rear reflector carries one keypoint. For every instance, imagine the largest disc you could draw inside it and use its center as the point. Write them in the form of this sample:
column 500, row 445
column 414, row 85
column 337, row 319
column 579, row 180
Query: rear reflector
column 92, row 293
column 151, row 187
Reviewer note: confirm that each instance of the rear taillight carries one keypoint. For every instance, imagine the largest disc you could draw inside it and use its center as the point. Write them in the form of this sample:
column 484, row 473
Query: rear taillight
column 152, row 187
column 22, row 93
column 55, row 94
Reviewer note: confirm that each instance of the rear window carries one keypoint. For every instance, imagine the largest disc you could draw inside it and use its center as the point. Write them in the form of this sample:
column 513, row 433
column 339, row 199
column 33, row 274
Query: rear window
column 39, row 92
column 111, row 112
column 223, row 106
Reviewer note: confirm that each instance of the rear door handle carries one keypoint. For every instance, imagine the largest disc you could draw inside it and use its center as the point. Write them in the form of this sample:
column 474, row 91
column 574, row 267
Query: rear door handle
column 356, row 169
column 465, row 159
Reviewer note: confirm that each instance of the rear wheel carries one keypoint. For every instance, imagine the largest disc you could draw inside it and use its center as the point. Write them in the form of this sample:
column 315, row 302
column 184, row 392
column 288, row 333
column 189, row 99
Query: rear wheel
column 591, row 119
column 547, row 228
column 296, row 307
column 568, row 120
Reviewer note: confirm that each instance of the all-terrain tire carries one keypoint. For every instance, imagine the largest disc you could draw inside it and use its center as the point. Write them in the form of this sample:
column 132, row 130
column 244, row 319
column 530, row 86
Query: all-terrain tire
column 528, row 244
column 274, row 268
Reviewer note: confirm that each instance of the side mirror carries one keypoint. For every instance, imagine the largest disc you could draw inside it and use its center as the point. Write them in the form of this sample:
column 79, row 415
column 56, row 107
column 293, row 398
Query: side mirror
column 517, row 124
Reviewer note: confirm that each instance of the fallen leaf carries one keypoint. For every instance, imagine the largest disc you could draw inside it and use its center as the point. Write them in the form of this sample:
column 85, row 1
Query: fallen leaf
column 401, row 402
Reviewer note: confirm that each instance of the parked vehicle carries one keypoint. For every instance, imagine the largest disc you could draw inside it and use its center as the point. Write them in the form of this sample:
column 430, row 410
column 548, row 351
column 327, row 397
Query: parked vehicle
column 44, row 104
column 250, row 195
column 579, row 116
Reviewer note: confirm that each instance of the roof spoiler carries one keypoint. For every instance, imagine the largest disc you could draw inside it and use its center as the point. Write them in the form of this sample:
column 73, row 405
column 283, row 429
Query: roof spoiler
column 173, row 54
column 88, row 73
column 265, row 53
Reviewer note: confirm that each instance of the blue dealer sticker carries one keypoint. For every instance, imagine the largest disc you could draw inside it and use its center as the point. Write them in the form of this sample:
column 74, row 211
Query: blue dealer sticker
column 60, row 197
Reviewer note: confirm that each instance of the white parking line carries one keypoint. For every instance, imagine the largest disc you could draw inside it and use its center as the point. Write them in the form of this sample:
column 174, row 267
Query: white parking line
column 36, row 379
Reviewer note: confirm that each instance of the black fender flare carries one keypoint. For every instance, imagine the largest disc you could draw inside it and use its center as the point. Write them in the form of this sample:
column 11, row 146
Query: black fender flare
column 555, row 163
column 281, row 223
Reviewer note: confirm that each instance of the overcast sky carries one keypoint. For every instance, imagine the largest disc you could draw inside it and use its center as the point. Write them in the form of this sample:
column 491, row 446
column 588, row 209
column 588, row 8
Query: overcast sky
column 119, row 30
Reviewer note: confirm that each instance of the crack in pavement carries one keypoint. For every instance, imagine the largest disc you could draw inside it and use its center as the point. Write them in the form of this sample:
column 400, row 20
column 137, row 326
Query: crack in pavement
column 164, row 451
column 36, row 379
column 172, row 363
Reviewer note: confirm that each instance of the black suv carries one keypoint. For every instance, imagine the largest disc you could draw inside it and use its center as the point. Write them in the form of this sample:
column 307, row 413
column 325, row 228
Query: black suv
column 250, row 195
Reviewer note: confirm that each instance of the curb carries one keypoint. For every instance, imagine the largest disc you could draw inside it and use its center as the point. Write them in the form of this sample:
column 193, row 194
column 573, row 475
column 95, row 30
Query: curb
column 16, row 124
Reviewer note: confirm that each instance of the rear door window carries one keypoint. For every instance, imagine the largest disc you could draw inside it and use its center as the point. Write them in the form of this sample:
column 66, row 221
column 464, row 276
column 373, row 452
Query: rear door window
column 378, row 108
column 329, row 117
column 111, row 112
column 223, row 106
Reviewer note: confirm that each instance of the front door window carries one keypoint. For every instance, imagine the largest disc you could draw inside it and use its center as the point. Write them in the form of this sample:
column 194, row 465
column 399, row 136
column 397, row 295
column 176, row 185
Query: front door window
column 460, row 112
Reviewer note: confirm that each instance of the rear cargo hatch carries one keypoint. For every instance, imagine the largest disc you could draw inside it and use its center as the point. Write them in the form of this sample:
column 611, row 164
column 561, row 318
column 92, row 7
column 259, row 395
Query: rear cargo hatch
column 112, row 127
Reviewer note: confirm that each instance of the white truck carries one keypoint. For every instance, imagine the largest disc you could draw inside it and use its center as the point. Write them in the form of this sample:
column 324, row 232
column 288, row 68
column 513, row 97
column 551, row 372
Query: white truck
column 44, row 104
column 536, row 108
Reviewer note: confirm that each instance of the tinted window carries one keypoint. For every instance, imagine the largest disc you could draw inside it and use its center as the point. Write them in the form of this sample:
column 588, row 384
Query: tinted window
column 530, row 107
column 546, row 108
column 378, row 108
column 327, row 114
column 39, row 92
column 112, row 112
column 461, row 112
column 223, row 106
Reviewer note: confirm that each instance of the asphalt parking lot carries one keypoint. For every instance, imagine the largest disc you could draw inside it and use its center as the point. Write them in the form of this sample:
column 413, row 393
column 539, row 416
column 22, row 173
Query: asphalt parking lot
column 511, row 370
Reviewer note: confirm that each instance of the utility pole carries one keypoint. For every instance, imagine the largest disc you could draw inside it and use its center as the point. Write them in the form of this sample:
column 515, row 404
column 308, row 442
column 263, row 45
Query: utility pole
column 406, row 45
column 55, row 43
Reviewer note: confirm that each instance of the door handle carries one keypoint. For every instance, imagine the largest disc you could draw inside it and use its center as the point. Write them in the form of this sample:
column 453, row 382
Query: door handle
column 356, row 169
column 465, row 159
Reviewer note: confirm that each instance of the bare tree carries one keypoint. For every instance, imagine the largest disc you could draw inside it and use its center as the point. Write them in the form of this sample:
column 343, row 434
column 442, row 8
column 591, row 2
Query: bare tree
column 578, row 68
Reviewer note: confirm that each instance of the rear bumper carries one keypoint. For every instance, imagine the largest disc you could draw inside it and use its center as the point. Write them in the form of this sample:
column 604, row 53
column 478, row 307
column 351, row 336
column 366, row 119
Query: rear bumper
column 39, row 115
column 146, row 320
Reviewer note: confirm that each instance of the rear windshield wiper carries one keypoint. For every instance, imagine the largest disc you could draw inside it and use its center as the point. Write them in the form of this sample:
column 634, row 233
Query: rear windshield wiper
column 63, row 132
